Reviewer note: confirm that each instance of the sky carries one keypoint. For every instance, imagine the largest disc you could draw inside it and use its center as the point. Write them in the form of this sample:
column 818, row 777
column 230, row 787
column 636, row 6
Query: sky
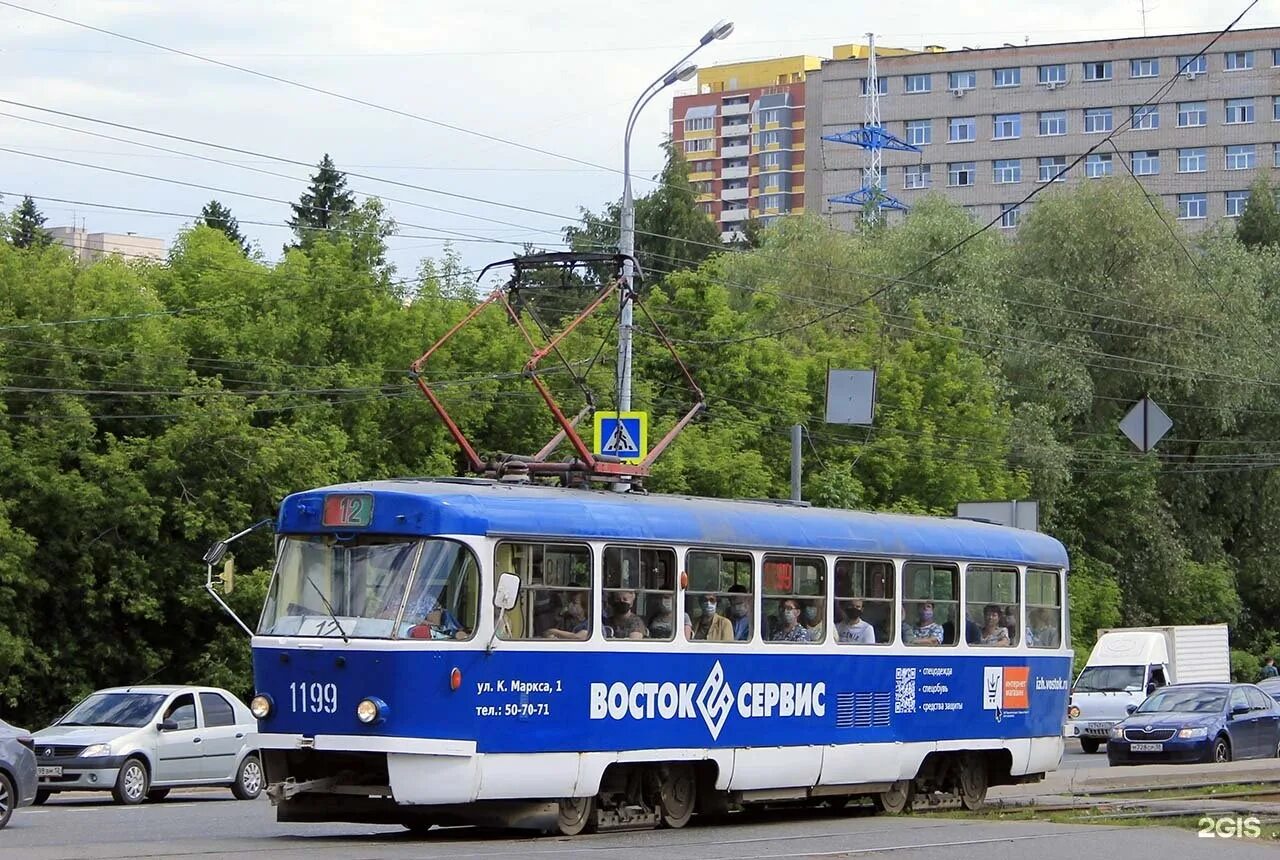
column 558, row 77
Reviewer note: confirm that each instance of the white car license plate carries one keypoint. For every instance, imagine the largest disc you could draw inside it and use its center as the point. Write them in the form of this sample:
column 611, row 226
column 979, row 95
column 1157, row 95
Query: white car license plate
column 48, row 771
column 1146, row 747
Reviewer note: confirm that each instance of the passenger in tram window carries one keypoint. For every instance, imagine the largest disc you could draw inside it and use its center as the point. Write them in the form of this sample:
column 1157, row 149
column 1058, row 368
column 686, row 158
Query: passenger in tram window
column 711, row 625
column 1042, row 629
column 992, row 631
column 625, row 623
column 1010, row 620
column 812, row 621
column 662, row 621
column 547, row 611
column 688, row 626
column 853, row 629
column 573, row 622
column 789, row 628
column 927, row 631
column 740, row 612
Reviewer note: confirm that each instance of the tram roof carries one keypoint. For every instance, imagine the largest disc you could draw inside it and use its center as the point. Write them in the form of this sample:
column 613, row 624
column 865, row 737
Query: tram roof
column 484, row 507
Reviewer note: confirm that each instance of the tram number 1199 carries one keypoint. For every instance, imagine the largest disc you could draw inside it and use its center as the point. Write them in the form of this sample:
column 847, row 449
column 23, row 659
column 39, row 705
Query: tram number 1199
column 314, row 698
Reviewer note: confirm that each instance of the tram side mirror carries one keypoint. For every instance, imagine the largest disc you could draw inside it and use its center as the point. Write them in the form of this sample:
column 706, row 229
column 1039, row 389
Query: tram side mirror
column 215, row 553
column 508, row 589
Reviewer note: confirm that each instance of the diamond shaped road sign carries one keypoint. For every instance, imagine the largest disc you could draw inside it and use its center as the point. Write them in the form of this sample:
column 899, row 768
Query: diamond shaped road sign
column 1145, row 424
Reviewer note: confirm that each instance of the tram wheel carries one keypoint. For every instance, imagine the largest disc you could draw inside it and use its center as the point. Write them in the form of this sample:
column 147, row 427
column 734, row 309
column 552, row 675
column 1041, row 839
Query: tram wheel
column 973, row 783
column 897, row 799
column 678, row 793
column 577, row 815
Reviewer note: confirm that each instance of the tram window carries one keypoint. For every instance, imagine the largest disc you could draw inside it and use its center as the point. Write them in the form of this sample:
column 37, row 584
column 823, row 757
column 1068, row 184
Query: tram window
column 795, row 599
column 444, row 598
column 728, row 580
column 639, row 593
column 555, row 591
column 864, row 601
column 930, row 603
column 992, row 608
column 1044, row 609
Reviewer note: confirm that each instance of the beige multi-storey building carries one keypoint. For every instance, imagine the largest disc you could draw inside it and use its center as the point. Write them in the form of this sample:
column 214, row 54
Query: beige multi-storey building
column 94, row 246
column 991, row 124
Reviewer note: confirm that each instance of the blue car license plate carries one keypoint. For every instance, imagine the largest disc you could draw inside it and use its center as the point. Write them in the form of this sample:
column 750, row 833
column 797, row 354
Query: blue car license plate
column 1146, row 747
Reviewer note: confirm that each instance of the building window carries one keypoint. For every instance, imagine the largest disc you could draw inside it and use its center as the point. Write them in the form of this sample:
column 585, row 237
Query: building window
column 1275, row 57
column 1053, row 123
column 919, row 132
column 1146, row 163
column 1052, row 74
column 1239, row 61
column 962, row 80
column 771, row 115
column 1191, row 160
column 1192, row 114
column 704, row 187
column 771, row 160
column 1193, row 64
column 1242, row 157
column 962, row 129
column 1098, row 71
column 773, row 201
column 919, row 83
column 960, row 174
column 1052, row 168
column 701, row 144
column 1097, row 120
column 770, row 138
column 882, row 84
column 1236, row 201
column 1239, row 111
column 1098, row 165
column 917, row 176
column 1145, row 68
column 1275, row 155
column 702, row 166
column 1145, row 117
column 1006, row 77
column 1007, row 126
column 700, row 123
column 1275, row 108
column 1007, row 171
column 1192, row 206
column 1009, row 216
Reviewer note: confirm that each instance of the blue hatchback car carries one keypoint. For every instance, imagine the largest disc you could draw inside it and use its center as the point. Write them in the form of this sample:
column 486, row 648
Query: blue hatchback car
column 1198, row 723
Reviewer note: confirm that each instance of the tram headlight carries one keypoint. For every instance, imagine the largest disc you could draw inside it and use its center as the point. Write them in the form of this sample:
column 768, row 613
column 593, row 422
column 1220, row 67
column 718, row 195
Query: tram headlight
column 260, row 705
column 371, row 711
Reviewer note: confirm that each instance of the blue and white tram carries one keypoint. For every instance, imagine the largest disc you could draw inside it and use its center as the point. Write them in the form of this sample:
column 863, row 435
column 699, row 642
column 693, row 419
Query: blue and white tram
column 468, row 650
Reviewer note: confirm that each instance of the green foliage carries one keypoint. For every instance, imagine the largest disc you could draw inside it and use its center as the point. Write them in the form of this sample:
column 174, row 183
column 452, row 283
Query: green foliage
column 323, row 205
column 1246, row 668
column 1259, row 225
column 27, row 226
column 219, row 217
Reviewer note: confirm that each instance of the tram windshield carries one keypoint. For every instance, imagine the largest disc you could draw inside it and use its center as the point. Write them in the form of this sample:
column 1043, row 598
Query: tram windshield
column 370, row 587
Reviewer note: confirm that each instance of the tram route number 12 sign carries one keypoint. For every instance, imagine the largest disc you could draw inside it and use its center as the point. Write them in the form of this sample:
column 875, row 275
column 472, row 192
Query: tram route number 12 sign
column 348, row 510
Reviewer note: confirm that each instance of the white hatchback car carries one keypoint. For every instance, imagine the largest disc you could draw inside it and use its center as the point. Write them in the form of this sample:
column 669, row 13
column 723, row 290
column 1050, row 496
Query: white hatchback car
column 140, row 742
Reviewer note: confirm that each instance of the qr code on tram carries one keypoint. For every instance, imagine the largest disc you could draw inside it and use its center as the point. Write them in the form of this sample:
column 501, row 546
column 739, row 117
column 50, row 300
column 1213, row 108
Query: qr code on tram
column 904, row 692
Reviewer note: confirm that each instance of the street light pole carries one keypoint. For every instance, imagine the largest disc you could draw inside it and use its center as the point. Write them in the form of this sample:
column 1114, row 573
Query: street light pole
column 627, row 226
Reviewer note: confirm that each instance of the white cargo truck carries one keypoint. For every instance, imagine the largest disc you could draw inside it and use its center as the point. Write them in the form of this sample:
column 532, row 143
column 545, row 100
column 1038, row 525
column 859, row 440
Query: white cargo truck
column 1128, row 663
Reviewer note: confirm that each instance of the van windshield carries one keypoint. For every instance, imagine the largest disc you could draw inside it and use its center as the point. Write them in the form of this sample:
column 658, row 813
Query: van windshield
column 1109, row 679
column 371, row 587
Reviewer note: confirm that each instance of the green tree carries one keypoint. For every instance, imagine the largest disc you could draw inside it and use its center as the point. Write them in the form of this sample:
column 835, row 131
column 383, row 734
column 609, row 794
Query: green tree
column 1260, row 224
column 27, row 226
column 219, row 217
column 325, row 202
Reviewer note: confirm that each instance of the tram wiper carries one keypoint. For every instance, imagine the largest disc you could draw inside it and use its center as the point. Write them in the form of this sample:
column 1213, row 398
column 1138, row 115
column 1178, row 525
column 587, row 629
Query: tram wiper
column 332, row 615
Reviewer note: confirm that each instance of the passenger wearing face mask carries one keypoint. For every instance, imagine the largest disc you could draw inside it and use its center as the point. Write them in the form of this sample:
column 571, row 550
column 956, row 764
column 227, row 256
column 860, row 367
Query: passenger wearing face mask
column 711, row 625
column 927, row 631
column 740, row 613
column 853, row 629
column 573, row 622
column 812, row 621
column 789, row 628
column 662, row 622
column 624, row 622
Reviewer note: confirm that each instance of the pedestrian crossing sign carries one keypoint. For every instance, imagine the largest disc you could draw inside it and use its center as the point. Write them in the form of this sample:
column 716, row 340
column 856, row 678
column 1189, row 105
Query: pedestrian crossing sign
column 622, row 434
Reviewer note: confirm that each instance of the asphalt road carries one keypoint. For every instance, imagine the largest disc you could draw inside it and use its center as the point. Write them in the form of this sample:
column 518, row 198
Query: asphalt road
column 210, row 824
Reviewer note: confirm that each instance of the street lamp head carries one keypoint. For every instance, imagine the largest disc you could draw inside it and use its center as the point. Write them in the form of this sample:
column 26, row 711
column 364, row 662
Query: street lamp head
column 721, row 30
column 684, row 73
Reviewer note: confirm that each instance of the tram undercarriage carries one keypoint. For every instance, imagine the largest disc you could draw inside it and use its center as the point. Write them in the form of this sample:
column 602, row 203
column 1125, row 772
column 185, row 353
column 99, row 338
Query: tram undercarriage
column 306, row 786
